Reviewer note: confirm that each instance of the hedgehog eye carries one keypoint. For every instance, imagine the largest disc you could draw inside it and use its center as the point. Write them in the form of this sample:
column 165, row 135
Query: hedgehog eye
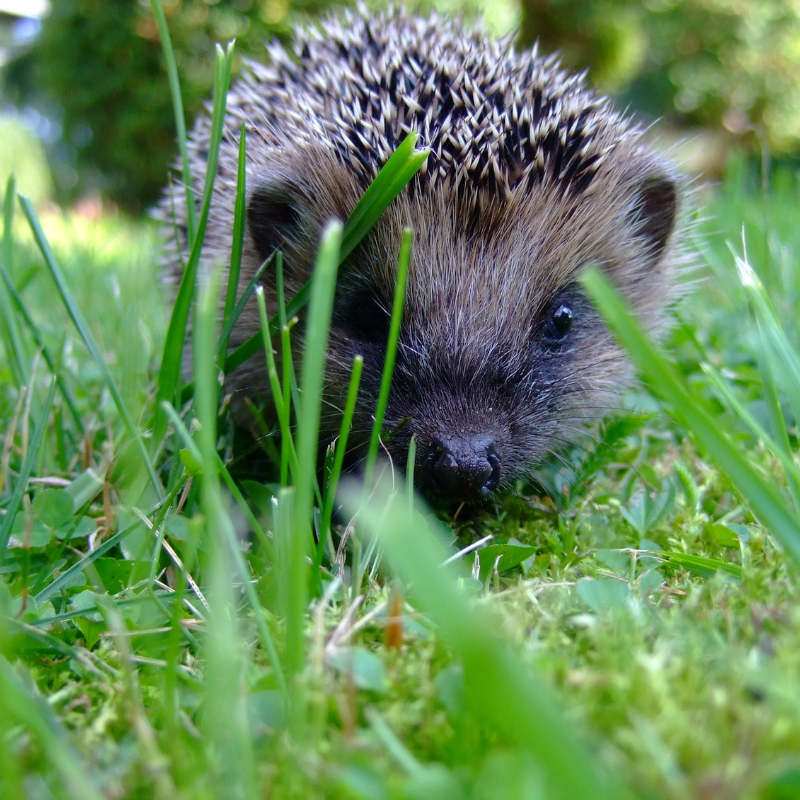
column 559, row 322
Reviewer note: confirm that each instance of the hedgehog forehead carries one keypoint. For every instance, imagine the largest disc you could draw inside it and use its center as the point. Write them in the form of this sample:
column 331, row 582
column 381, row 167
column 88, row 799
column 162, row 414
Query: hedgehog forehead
column 492, row 118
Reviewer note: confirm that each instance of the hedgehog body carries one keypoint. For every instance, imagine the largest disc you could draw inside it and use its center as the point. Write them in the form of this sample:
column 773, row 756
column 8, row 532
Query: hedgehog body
column 531, row 176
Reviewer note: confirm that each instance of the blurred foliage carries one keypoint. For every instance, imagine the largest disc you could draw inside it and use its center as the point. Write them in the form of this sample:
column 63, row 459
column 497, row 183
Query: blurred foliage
column 97, row 70
column 729, row 64
column 97, row 66
column 22, row 153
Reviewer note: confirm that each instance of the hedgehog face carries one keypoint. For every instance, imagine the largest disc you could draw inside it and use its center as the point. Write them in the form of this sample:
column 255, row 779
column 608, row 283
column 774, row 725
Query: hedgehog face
column 501, row 357
column 531, row 177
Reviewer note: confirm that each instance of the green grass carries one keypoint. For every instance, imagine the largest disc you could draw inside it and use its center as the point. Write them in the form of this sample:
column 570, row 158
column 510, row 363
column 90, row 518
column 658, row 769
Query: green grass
column 629, row 627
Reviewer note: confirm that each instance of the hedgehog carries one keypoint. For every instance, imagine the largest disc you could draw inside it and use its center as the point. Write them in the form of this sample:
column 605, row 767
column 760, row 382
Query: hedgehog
column 531, row 176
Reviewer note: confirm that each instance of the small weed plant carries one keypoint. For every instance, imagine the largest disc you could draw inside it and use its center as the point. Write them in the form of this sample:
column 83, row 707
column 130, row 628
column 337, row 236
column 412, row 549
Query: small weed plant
column 628, row 628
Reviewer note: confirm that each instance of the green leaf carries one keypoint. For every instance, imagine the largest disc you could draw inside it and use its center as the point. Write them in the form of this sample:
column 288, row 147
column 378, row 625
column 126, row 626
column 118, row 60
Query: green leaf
column 188, row 459
column 115, row 572
column 361, row 782
column 86, row 600
column 723, row 535
column 85, row 526
column 604, row 594
column 52, row 507
column 177, row 527
column 260, row 495
column 365, row 668
column 266, row 713
column 435, row 780
column 449, row 684
column 507, row 557
column 645, row 511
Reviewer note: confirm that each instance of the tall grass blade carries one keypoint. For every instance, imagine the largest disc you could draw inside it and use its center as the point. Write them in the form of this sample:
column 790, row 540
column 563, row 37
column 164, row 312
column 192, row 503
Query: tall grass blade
column 404, row 163
column 237, row 243
column 180, row 119
column 500, row 691
column 391, row 353
column 767, row 505
column 341, row 449
column 25, row 471
column 169, row 375
column 267, row 641
column 40, row 345
column 779, row 362
column 401, row 167
column 75, row 313
column 8, row 320
column 239, row 307
column 226, row 711
column 282, row 409
column 313, row 370
column 297, row 537
column 35, row 715
column 783, row 455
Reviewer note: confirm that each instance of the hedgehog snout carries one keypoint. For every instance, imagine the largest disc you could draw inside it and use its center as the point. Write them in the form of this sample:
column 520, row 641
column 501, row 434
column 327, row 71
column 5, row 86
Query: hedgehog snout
column 458, row 468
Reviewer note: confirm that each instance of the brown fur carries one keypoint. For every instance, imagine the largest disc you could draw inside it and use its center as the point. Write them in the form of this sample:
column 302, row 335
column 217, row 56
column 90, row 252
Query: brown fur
column 510, row 206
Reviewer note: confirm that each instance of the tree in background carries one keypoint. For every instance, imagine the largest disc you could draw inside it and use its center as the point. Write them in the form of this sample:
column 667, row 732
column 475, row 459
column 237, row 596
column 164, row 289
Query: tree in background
column 97, row 69
column 731, row 64
column 97, row 66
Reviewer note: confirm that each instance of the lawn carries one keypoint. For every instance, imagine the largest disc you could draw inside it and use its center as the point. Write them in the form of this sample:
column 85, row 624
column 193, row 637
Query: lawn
column 628, row 625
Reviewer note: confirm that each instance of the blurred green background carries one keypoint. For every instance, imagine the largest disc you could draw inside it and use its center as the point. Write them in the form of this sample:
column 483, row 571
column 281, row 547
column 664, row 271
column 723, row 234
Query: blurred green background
column 85, row 108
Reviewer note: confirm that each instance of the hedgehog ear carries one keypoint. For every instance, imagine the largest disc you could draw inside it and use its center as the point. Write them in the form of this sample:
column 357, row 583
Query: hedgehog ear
column 655, row 212
column 273, row 216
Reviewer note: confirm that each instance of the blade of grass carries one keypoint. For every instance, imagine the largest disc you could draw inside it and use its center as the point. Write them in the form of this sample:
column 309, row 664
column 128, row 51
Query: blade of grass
column 180, row 119
column 237, row 247
column 187, row 392
column 660, row 375
column 699, row 564
column 25, row 471
column 340, row 451
column 298, row 546
column 500, row 691
column 40, row 345
column 241, row 303
column 64, row 578
column 393, row 177
column 404, row 163
column 36, row 716
column 225, row 717
column 778, row 359
column 288, row 453
column 289, row 384
column 267, row 641
column 75, row 313
column 172, row 359
column 313, row 370
column 391, row 353
column 410, row 464
column 783, row 454
column 14, row 345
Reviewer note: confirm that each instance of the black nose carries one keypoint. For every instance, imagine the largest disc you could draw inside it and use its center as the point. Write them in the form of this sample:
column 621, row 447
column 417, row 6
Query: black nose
column 459, row 467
